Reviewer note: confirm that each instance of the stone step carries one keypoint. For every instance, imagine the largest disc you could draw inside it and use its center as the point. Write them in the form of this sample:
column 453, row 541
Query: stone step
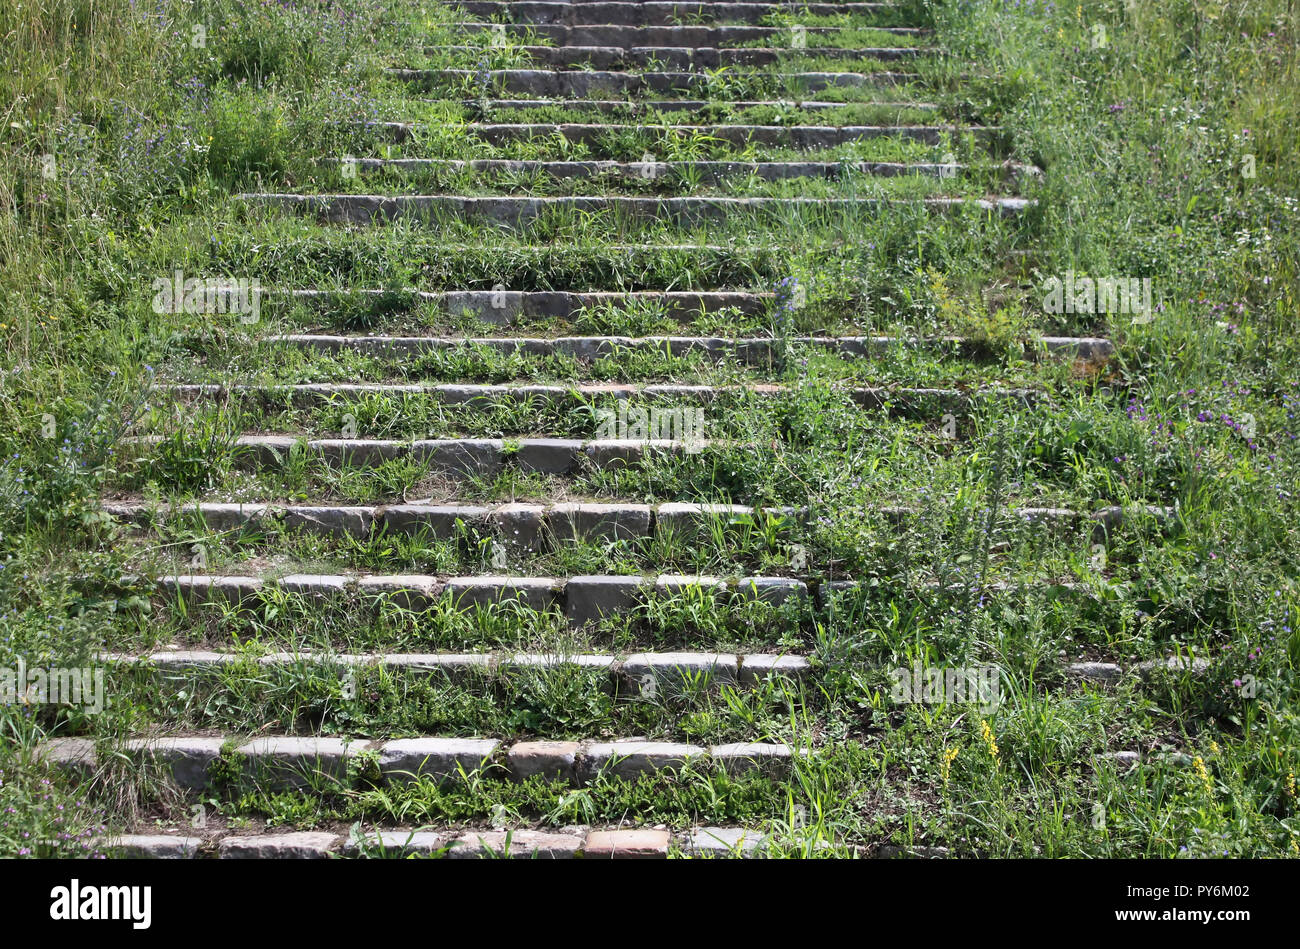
column 695, row 172
column 684, row 58
column 804, row 137
column 1106, row 674
column 757, row 350
column 598, row 83
column 651, row 13
column 290, row 763
column 633, row 37
column 464, row 457
column 510, row 306
column 539, row 525
column 636, row 675
column 677, row 105
column 581, row 600
column 452, row 843
column 896, row 400
column 519, row 212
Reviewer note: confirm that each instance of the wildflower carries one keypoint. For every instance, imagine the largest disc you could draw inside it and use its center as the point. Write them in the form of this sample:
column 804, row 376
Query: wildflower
column 986, row 732
column 1290, row 783
column 1198, row 763
column 949, row 756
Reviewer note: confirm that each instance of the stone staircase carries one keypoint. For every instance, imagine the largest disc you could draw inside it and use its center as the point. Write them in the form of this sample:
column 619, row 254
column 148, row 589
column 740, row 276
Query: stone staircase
column 608, row 60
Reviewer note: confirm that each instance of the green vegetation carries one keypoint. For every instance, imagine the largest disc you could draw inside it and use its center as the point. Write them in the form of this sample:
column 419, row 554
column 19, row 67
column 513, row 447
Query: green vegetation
column 1165, row 135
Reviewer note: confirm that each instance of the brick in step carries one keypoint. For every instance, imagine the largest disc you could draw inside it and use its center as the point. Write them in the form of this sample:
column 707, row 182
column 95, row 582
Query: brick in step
column 336, row 522
column 451, row 665
column 743, row 757
column 755, row 668
column 552, row 760
column 672, row 672
column 518, row 844
column 673, row 584
column 440, row 759
column 521, row 527
column 187, row 761
column 589, row 598
column 1097, row 673
column 186, row 662
column 362, row 452
column 1109, row 519
column 588, row 348
column 75, row 756
column 436, row 521
column 773, row 590
column 305, row 845
column 498, row 307
column 1174, row 665
column 536, row 593
column 625, row 844
column 211, row 516
column 290, row 763
column 154, row 846
column 535, row 660
column 913, row 852
column 598, row 522
column 413, row 592
column 834, row 592
column 557, row 456
column 391, row 842
column 315, row 585
column 195, row 590
column 722, row 842
column 1122, row 760
column 137, row 515
column 631, row 759
column 467, row 457
column 264, row 451
column 688, row 520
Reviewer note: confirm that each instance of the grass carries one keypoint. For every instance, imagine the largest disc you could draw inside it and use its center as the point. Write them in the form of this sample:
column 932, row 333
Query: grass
column 1166, row 154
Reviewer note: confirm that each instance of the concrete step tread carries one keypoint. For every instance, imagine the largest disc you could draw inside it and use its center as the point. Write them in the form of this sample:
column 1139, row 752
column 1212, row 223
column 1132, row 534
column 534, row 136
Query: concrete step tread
column 287, row 761
column 651, row 13
column 693, row 58
column 415, row 444
column 454, row 844
column 736, row 32
column 451, row 842
column 590, row 346
column 845, row 131
column 602, row 82
column 810, row 50
column 517, row 212
column 624, row 519
column 680, row 105
column 745, row 668
column 471, row 393
column 482, row 457
column 698, row 173
column 639, row 168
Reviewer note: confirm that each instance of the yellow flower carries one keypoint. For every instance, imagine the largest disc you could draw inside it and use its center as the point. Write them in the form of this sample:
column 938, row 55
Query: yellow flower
column 949, row 756
column 986, row 732
column 1203, row 773
column 1290, row 785
column 1214, row 747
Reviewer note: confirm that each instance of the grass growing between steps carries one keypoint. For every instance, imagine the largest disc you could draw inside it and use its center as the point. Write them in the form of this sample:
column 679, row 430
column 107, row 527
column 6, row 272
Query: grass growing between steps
column 1165, row 135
